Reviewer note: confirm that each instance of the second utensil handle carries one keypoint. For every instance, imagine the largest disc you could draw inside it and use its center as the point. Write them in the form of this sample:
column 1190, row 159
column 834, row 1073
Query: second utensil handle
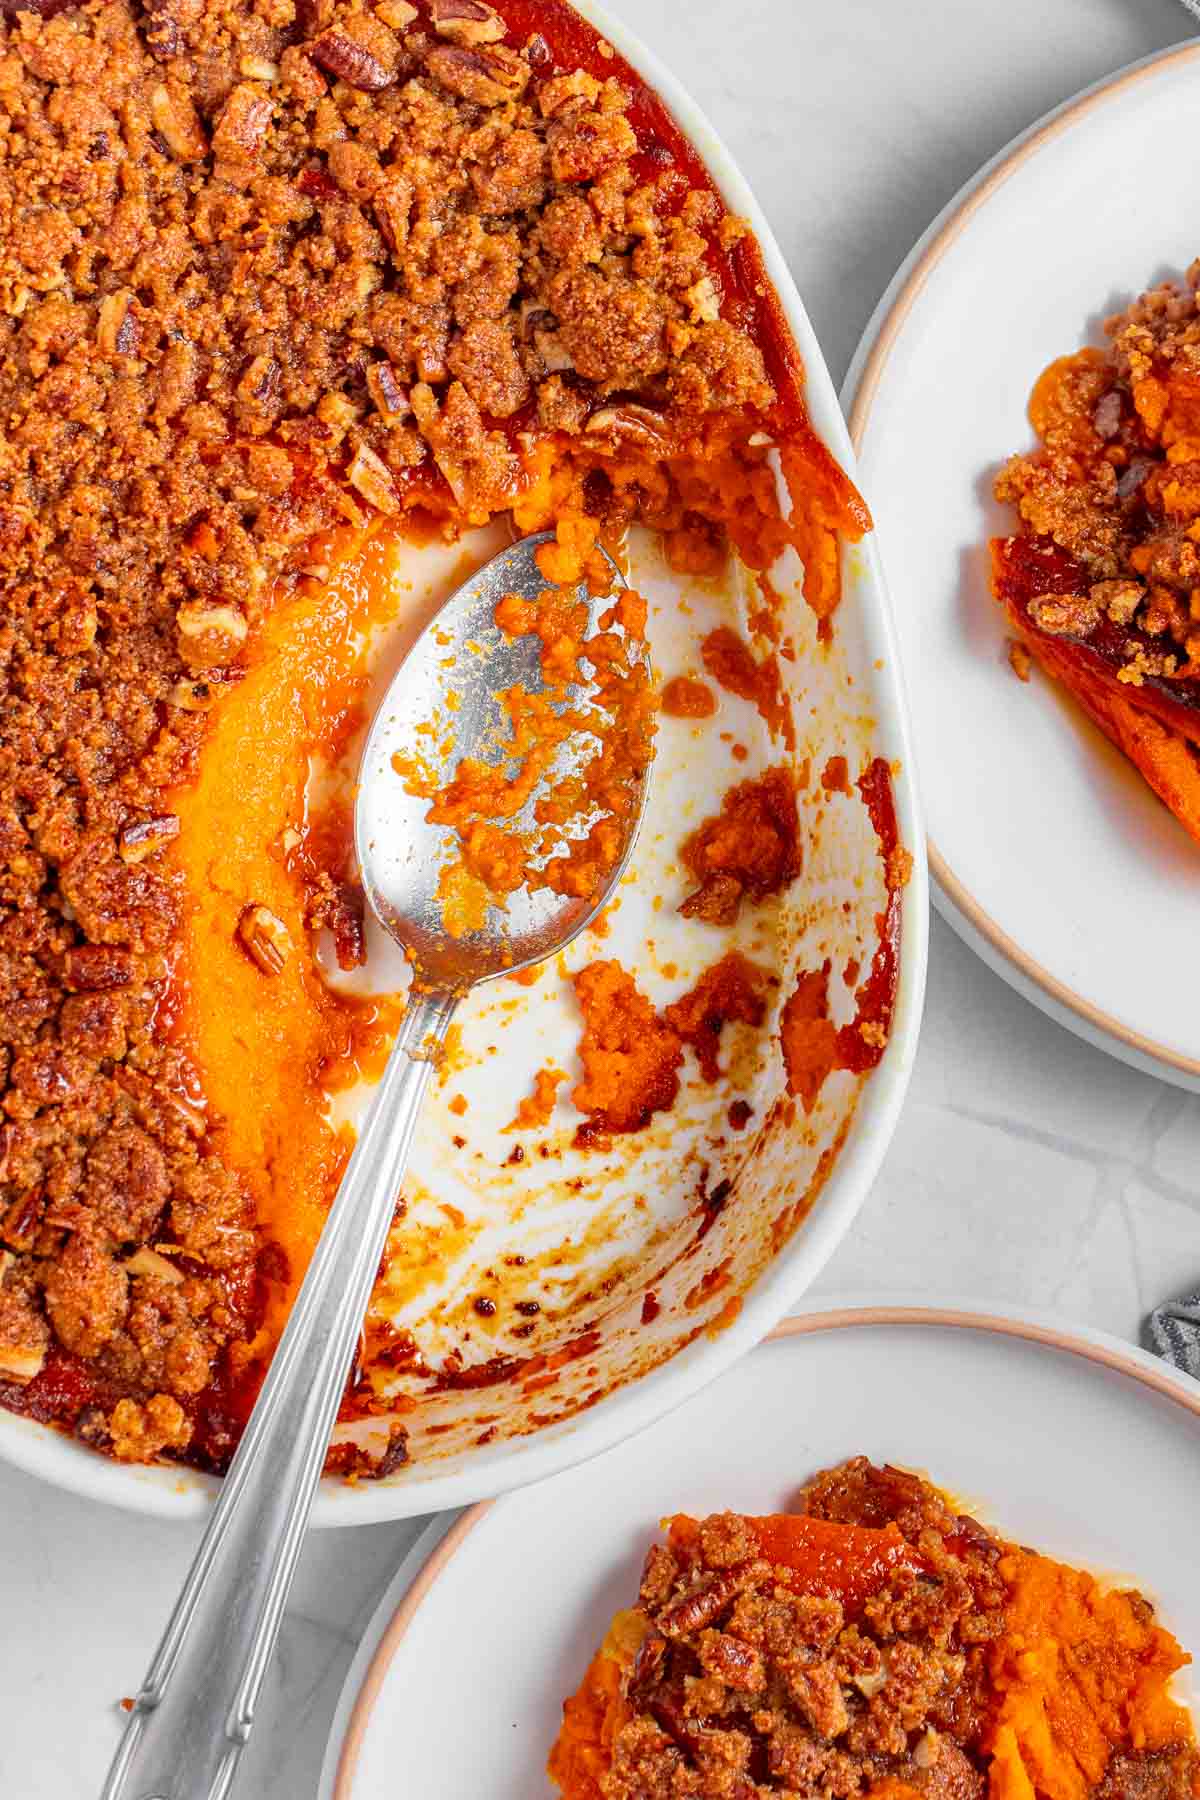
column 195, row 1709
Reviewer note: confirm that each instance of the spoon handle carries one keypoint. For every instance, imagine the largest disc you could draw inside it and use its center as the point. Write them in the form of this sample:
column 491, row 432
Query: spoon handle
column 192, row 1718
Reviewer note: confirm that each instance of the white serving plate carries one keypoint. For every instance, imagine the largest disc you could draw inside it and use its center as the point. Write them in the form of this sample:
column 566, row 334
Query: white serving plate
column 1019, row 1418
column 1050, row 855
column 622, row 1233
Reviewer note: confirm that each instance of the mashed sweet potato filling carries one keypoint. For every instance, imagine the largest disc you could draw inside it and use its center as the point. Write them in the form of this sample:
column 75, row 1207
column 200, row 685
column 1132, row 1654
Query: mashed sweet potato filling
column 1082, row 1670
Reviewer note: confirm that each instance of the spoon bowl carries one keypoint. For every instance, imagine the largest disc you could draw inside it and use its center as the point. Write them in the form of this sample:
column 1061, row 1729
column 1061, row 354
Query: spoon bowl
column 451, row 677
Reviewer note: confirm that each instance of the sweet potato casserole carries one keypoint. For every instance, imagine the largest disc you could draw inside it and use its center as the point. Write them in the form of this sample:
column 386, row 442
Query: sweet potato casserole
column 876, row 1642
column 1103, row 583
column 285, row 286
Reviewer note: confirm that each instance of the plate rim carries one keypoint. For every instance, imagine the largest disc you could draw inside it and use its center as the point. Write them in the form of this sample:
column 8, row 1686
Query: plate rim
column 864, row 377
column 1022, row 1324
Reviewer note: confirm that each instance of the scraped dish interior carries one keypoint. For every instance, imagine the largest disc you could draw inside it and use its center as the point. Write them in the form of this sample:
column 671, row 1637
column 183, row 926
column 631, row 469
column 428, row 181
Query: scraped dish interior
column 391, row 285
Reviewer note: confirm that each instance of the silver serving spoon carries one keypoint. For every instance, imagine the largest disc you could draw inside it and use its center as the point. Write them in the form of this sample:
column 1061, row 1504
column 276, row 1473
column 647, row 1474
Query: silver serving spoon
column 193, row 1715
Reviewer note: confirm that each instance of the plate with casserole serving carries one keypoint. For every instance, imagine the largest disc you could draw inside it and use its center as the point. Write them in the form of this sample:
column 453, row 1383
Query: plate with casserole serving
column 343, row 301
column 1024, row 406
column 866, row 1562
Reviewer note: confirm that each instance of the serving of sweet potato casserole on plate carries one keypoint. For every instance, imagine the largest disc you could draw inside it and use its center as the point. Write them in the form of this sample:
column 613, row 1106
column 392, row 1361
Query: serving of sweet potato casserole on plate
column 307, row 307
column 1103, row 584
column 877, row 1641
column 1049, row 601
column 739, row 1605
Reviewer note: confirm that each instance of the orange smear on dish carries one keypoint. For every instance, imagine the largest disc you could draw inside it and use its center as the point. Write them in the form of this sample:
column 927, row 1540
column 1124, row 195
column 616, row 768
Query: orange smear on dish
column 731, row 989
column 750, row 849
column 630, row 1056
column 683, row 697
column 536, row 1108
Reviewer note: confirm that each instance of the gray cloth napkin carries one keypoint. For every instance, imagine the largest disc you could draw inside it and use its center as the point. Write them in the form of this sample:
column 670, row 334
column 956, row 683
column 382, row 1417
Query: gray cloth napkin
column 1172, row 1331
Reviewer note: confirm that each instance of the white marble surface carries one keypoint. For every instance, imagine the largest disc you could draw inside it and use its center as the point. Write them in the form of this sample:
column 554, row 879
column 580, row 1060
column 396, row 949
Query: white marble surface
column 1027, row 1167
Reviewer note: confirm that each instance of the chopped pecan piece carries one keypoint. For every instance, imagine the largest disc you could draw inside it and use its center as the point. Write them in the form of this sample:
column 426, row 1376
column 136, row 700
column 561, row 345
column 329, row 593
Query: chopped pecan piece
column 350, row 62
column 20, row 1223
column 1065, row 615
column 116, row 326
column 146, row 1261
column 244, row 123
column 392, row 202
column 210, row 636
column 738, row 1665
column 259, row 383
column 636, row 424
column 340, row 908
column 313, row 16
column 96, row 968
column 258, row 68
column 466, row 21
column 160, row 30
column 649, row 1663
column 265, row 937
column 21, row 1364
column 178, row 124
column 370, row 476
column 702, row 1606
column 817, row 1694
column 23, row 1334
column 396, row 13
column 355, row 1462
column 1019, row 659
column 489, row 74
column 146, row 836
column 388, row 392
